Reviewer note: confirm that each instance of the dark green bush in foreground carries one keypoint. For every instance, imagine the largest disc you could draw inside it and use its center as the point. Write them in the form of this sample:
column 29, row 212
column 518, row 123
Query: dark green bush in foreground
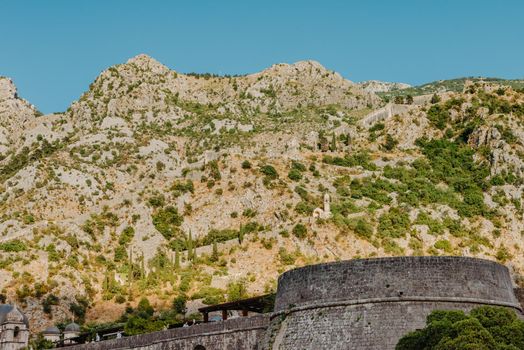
column 485, row 328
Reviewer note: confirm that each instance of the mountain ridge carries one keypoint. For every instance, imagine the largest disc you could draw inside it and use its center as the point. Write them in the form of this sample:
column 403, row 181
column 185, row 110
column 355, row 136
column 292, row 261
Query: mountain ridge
column 162, row 184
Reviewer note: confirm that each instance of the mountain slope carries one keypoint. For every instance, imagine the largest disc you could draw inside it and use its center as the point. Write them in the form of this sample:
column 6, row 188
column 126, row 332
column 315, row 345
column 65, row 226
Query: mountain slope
column 127, row 192
column 376, row 86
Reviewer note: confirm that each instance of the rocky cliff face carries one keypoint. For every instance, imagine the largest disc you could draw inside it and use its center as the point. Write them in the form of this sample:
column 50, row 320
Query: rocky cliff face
column 15, row 115
column 124, row 194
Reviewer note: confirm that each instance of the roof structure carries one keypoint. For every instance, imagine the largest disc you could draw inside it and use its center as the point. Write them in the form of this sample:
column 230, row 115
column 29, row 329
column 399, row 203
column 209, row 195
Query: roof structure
column 259, row 304
column 52, row 330
column 72, row 327
column 11, row 313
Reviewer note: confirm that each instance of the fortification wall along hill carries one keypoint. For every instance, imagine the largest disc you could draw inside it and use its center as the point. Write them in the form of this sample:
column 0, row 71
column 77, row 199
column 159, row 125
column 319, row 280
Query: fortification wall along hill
column 236, row 333
column 371, row 303
column 357, row 304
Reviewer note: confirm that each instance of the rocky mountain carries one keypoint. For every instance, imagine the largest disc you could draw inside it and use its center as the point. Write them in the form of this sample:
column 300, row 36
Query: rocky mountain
column 157, row 183
column 449, row 85
column 16, row 115
column 382, row 86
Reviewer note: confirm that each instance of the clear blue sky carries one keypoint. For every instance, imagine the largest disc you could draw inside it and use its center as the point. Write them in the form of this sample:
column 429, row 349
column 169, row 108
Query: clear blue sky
column 54, row 49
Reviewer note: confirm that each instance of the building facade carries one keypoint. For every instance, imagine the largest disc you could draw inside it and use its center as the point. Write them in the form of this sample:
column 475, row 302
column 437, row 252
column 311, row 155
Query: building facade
column 14, row 328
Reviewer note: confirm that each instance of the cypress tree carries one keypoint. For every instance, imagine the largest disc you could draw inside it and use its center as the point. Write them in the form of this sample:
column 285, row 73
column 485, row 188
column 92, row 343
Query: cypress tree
column 177, row 259
column 240, row 235
column 189, row 246
column 333, row 143
column 130, row 277
column 214, row 255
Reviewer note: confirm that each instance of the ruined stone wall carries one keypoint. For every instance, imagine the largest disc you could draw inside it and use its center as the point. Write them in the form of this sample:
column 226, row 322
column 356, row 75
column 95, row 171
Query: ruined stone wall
column 234, row 334
column 371, row 303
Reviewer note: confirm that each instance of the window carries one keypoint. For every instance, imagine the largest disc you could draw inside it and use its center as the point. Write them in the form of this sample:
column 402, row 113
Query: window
column 16, row 332
column 199, row 347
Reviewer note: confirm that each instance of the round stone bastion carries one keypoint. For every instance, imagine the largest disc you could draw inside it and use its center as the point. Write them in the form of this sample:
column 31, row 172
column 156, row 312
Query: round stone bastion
column 372, row 303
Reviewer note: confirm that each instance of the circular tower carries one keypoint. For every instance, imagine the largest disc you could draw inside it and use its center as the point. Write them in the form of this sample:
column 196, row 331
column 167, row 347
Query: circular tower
column 372, row 303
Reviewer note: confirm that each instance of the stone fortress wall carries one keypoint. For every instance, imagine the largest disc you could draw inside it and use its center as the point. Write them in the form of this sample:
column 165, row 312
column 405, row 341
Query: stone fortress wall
column 356, row 304
column 383, row 113
column 236, row 333
column 371, row 303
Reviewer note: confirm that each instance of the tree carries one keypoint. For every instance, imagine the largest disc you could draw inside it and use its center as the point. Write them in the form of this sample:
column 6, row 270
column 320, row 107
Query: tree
column 295, row 175
column 214, row 255
column 269, row 171
column 240, row 235
column 435, row 99
column 236, row 290
column 399, row 100
column 390, row 143
column 485, row 328
column 409, row 99
column 144, row 308
column 41, row 343
column 177, row 258
column 333, row 147
column 179, row 304
column 322, row 141
column 189, row 245
column 300, row 231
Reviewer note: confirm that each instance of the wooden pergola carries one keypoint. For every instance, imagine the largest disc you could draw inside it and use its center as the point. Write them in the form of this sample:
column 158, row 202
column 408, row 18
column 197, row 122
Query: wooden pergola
column 260, row 304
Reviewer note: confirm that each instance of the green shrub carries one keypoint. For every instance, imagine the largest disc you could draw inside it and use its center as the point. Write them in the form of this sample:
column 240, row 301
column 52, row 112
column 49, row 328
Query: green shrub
column 210, row 295
column 167, row 221
column 249, row 213
column 183, row 187
column 362, row 228
column 294, row 175
column 444, row 245
column 300, row 231
column 392, row 247
column 49, row 301
column 438, row 116
column 285, row 257
column 237, row 290
column 298, row 166
column 157, row 201
column 395, row 223
column 360, row 158
column 435, row 227
column 179, row 304
column 377, row 190
column 215, row 235
column 120, row 254
column 377, row 127
column 503, row 254
column 14, row 245
column 269, row 171
column 126, row 236
column 304, row 208
column 214, row 170
column 390, row 143
column 246, row 164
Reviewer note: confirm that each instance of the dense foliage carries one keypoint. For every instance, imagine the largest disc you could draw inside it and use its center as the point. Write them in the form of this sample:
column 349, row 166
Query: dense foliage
column 485, row 328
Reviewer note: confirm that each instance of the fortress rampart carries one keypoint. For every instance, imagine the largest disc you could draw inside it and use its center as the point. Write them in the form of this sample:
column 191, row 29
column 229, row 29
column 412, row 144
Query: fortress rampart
column 371, row 303
column 236, row 333
column 356, row 304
